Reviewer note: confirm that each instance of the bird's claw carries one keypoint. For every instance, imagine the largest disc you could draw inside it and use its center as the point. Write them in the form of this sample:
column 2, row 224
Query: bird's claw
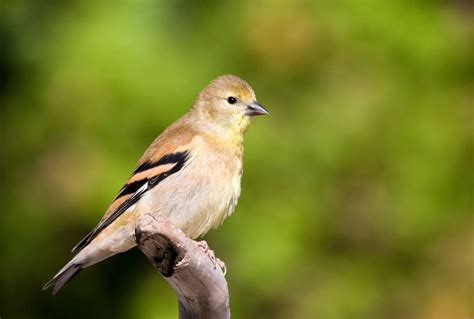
column 210, row 253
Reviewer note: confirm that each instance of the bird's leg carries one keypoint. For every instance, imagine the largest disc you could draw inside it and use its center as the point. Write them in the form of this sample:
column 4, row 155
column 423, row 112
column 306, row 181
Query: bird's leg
column 210, row 253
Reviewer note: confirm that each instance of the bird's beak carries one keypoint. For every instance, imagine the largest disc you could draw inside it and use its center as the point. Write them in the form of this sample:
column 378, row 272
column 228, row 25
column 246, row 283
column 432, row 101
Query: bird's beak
column 254, row 109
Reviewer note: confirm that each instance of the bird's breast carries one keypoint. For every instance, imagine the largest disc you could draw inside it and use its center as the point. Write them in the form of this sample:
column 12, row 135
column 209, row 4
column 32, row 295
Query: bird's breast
column 201, row 195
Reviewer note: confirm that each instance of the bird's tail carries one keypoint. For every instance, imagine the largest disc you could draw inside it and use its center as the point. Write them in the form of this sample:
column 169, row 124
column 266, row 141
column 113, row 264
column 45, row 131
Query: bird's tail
column 117, row 240
column 63, row 276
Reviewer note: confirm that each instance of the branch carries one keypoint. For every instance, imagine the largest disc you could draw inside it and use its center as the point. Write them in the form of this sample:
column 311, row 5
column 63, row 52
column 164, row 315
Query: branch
column 200, row 286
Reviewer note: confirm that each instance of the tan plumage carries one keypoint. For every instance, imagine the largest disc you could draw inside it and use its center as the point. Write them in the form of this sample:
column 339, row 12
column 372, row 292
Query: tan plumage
column 190, row 174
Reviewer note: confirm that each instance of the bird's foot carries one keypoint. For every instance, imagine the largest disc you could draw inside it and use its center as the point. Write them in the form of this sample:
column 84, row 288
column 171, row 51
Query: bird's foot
column 210, row 253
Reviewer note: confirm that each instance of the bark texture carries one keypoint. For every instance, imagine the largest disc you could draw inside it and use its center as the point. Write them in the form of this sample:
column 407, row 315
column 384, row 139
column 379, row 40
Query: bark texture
column 199, row 284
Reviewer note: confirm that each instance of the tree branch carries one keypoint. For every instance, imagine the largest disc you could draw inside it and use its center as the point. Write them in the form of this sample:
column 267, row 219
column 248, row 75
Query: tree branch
column 200, row 286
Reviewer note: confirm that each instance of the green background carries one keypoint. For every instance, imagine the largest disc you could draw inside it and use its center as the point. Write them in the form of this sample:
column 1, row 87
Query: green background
column 357, row 190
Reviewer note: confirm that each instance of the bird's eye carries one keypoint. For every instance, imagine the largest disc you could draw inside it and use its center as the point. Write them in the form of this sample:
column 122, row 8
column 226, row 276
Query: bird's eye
column 231, row 100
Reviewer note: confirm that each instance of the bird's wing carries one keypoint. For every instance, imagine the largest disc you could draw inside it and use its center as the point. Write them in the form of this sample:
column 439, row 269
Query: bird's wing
column 146, row 176
column 167, row 155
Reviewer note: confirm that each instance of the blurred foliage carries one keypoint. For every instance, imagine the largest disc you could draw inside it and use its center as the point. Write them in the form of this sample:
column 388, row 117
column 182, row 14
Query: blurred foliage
column 357, row 192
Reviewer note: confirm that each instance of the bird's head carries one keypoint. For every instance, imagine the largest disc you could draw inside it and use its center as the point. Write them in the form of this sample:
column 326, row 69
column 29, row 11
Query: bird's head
column 228, row 103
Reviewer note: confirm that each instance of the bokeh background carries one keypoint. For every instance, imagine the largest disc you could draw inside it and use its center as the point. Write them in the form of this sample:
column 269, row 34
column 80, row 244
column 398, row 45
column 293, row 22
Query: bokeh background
column 357, row 192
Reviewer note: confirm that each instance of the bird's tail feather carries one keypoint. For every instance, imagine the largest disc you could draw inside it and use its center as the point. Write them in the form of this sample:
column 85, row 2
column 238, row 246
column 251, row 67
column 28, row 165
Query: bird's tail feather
column 62, row 277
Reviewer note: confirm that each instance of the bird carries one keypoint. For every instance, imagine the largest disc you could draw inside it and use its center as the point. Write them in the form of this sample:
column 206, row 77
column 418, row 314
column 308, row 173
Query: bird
column 190, row 174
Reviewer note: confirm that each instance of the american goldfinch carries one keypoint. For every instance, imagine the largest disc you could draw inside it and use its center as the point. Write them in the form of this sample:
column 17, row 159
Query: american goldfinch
column 190, row 174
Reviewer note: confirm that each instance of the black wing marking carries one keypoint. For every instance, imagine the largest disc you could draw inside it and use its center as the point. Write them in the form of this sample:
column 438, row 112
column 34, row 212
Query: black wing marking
column 119, row 211
column 138, row 188
column 179, row 157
